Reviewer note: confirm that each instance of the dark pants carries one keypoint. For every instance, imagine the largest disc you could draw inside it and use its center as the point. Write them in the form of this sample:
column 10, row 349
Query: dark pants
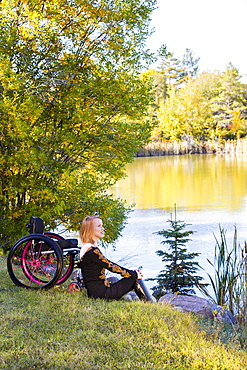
column 116, row 290
column 120, row 288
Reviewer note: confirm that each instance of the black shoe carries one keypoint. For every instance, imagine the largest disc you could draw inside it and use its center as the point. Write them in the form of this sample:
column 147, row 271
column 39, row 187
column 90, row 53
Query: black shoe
column 139, row 291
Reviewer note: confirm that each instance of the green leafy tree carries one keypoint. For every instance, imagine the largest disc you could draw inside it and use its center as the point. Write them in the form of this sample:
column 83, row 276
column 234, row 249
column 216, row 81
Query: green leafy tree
column 238, row 125
column 180, row 267
column 229, row 105
column 187, row 111
column 71, row 97
column 208, row 107
column 195, row 112
column 159, row 82
column 169, row 127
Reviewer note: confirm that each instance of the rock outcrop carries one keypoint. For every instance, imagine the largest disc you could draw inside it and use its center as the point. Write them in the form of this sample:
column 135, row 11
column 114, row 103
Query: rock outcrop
column 199, row 306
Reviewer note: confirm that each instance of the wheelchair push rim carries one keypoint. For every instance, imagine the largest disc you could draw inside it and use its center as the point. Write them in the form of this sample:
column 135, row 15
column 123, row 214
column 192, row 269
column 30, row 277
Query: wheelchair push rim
column 35, row 261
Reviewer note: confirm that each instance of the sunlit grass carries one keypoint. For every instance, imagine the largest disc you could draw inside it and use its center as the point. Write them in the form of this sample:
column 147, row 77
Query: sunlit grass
column 57, row 330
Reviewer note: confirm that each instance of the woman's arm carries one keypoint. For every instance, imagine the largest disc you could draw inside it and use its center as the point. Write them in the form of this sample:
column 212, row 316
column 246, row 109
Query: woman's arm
column 99, row 258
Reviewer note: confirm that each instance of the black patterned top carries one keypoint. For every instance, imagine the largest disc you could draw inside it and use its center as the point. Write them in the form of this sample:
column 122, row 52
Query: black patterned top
column 93, row 265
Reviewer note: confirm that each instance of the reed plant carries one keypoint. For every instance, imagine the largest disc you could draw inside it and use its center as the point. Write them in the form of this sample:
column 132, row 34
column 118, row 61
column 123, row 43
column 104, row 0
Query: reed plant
column 225, row 270
column 229, row 282
column 57, row 330
column 240, row 288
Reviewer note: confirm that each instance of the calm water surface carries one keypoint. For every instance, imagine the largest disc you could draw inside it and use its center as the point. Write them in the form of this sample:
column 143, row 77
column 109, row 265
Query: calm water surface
column 208, row 190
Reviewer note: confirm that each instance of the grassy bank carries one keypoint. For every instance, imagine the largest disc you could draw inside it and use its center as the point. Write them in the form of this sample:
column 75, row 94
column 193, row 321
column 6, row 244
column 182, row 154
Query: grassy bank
column 56, row 330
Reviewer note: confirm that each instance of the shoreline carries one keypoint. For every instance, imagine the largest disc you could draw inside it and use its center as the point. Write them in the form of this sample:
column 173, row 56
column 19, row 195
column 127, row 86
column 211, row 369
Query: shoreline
column 165, row 148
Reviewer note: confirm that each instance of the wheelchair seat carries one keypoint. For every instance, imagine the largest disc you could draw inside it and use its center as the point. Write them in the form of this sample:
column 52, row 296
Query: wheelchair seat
column 67, row 243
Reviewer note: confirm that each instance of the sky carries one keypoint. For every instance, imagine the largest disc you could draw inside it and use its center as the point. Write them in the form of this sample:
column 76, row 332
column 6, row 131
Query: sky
column 215, row 31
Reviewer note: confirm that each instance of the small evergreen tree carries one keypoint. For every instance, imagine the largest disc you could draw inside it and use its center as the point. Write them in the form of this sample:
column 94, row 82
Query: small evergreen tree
column 178, row 275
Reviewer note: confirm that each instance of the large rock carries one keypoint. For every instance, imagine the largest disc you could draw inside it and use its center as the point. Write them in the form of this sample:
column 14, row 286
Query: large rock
column 188, row 303
column 199, row 306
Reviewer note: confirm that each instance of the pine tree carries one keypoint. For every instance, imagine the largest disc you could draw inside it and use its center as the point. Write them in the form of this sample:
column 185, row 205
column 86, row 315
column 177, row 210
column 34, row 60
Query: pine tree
column 180, row 267
column 190, row 65
column 172, row 69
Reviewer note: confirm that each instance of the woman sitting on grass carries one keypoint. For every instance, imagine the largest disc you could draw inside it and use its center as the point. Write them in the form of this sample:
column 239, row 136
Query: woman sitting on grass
column 94, row 263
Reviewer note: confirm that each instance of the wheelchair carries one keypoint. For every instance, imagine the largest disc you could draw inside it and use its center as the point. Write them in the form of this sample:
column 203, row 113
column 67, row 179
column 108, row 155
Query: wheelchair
column 42, row 260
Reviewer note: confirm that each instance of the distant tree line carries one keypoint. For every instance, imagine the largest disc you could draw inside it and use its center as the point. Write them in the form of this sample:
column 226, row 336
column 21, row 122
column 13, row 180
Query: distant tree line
column 199, row 106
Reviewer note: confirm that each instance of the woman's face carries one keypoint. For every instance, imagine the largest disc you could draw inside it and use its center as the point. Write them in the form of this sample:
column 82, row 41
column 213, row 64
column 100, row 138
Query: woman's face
column 98, row 231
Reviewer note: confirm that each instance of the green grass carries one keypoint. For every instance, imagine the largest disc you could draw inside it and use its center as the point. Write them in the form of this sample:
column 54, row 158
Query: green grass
column 57, row 330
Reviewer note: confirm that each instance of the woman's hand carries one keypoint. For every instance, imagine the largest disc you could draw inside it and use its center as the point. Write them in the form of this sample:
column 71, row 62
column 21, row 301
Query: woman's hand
column 139, row 274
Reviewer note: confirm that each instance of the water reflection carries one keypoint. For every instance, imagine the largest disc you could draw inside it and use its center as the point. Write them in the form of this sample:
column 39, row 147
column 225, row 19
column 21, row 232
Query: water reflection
column 192, row 182
column 208, row 190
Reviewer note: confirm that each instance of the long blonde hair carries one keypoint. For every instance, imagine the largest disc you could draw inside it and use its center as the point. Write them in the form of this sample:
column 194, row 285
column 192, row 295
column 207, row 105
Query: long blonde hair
column 87, row 229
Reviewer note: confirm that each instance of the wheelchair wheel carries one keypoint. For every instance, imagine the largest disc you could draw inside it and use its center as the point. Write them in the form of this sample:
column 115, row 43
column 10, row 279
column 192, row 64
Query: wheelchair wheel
column 35, row 261
column 68, row 260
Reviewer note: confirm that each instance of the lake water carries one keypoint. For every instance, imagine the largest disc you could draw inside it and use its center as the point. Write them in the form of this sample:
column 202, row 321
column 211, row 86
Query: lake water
column 208, row 190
